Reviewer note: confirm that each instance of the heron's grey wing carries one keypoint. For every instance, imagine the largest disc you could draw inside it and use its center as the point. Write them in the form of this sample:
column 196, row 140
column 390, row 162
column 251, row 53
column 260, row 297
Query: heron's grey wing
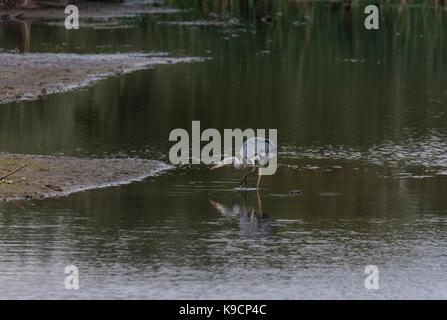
column 249, row 149
column 258, row 149
column 270, row 148
column 243, row 152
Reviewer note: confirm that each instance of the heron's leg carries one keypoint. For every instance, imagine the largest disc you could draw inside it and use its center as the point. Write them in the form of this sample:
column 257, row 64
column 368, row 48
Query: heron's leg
column 244, row 179
column 259, row 202
column 259, row 180
column 244, row 195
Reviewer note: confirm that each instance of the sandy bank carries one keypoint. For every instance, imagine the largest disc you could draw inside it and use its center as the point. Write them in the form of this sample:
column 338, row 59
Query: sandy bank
column 52, row 177
column 33, row 75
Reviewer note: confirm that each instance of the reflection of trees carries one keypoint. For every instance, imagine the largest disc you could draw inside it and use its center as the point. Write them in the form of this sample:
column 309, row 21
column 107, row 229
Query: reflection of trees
column 335, row 33
column 320, row 94
column 25, row 26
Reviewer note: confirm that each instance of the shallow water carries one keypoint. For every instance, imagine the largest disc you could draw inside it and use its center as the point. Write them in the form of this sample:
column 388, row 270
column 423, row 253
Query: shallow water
column 362, row 133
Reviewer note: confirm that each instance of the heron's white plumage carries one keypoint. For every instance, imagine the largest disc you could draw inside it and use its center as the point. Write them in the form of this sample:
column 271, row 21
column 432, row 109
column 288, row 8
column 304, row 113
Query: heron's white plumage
column 258, row 150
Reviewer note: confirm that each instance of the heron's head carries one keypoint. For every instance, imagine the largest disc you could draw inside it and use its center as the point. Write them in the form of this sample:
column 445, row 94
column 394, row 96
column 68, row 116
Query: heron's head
column 218, row 164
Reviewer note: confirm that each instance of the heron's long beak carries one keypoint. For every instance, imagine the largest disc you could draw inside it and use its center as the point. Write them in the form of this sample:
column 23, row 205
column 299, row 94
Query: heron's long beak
column 216, row 166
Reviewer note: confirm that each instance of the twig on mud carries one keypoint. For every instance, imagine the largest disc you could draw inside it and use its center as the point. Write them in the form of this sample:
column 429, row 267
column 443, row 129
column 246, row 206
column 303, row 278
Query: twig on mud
column 12, row 172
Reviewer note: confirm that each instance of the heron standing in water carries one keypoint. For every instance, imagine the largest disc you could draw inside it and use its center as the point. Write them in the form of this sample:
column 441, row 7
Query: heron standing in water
column 255, row 152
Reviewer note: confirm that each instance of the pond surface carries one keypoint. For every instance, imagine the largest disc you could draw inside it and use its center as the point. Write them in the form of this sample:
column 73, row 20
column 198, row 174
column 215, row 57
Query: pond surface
column 362, row 133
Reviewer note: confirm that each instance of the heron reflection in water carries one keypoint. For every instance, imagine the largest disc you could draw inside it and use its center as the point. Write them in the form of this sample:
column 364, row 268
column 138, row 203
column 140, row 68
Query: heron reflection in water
column 252, row 221
column 255, row 152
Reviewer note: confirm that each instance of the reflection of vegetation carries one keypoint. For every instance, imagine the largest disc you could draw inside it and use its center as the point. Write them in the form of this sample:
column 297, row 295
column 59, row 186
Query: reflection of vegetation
column 333, row 79
column 258, row 9
column 25, row 25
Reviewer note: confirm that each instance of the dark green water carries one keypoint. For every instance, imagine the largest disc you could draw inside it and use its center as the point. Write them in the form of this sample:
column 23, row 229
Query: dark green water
column 362, row 132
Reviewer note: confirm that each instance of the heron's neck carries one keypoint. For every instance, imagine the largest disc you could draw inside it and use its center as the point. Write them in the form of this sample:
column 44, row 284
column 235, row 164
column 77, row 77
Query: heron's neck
column 231, row 160
column 237, row 161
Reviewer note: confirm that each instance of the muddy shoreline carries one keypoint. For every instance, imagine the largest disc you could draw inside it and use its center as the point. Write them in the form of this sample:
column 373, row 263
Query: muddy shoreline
column 93, row 10
column 35, row 75
column 46, row 176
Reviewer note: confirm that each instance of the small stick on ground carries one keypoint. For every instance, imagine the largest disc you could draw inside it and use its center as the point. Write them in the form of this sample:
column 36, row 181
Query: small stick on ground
column 12, row 172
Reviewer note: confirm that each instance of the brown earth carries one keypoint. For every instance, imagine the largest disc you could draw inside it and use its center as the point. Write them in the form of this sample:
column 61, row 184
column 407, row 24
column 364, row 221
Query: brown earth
column 33, row 75
column 58, row 176
column 92, row 10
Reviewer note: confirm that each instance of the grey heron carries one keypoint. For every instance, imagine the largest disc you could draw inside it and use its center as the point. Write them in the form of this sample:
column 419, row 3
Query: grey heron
column 255, row 152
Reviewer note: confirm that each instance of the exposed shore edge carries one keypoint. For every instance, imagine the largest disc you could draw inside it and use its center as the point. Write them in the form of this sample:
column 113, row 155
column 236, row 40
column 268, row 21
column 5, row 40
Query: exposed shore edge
column 35, row 75
column 46, row 176
column 94, row 10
